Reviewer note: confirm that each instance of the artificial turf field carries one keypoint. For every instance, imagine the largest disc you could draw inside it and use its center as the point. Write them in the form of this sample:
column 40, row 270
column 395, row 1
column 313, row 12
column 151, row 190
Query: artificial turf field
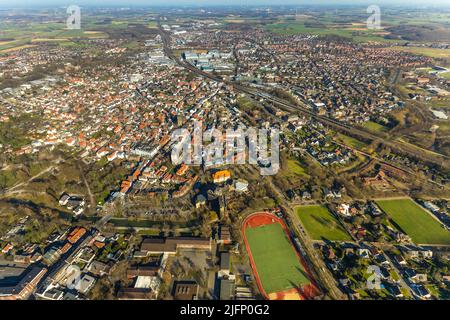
column 415, row 222
column 321, row 224
column 278, row 265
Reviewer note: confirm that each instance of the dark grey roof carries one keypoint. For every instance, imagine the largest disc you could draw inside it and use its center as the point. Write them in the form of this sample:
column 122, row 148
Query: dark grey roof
column 26, row 277
column 224, row 261
column 226, row 289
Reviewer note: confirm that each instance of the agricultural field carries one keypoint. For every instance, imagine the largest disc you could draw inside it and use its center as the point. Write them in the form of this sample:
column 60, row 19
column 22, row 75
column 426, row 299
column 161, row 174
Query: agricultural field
column 429, row 52
column 321, row 224
column 415, row 221
column 358, row 32
column 278, row 265
column 396, row 28
column 152, row 25
column 13, row 37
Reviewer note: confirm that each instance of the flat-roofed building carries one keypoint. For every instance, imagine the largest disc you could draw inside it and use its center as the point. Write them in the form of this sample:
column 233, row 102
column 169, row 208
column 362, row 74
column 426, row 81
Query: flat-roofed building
column 225, row 262
column 227, row 289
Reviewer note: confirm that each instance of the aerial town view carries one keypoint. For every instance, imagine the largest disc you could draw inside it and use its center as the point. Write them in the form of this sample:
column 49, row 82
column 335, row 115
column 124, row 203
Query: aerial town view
column 242, row 150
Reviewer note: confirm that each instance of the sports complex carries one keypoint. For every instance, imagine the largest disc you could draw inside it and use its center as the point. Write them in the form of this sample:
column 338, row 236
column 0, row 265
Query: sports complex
column 279, row 269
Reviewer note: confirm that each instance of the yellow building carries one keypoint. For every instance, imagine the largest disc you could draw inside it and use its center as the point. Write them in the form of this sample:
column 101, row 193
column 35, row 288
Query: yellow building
column 221, row 176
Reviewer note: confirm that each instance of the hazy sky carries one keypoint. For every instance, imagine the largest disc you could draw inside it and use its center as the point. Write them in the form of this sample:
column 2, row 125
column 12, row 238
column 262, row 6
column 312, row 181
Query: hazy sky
column 30, row 3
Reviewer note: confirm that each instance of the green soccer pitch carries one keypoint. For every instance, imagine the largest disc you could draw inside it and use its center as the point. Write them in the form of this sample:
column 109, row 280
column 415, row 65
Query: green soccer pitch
column 321, row 224
column 276, row 261
column 415, row 221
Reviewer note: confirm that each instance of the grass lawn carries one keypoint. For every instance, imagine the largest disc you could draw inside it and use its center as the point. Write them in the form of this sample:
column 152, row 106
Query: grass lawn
column 445, row 75
column 374, row 127
column 352, row 142
column 320, row 223
column 415, row 222
column 278, row 265
column 295, row 168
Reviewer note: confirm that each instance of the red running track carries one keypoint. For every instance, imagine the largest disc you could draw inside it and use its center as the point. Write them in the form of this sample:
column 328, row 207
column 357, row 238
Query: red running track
column 263, row 218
